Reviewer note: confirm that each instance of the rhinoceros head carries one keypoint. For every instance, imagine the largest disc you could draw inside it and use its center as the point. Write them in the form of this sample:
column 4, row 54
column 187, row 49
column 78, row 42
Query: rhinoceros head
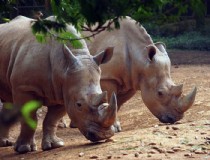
column 163, row 98
column 86, row 104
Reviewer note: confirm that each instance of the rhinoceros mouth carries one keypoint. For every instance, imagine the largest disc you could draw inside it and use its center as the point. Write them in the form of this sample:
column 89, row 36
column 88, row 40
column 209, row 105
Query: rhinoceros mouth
column 96, row 133
column 169, row 118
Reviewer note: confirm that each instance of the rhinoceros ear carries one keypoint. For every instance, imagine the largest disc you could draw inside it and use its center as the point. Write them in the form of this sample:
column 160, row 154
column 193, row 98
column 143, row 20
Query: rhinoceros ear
column 151, row 50
column 161, row 46
column 69, row 55
column 104, row 56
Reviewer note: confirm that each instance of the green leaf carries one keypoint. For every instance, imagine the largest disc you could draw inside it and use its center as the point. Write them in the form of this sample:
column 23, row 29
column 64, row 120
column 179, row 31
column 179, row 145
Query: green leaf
column 40, row 37
column 26, row 111
column 70, row 37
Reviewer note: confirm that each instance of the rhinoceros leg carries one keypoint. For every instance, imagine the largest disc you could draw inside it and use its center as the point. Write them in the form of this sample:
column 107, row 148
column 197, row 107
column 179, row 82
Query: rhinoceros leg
column 26, row 140
column 50, row 140
column 5, row 140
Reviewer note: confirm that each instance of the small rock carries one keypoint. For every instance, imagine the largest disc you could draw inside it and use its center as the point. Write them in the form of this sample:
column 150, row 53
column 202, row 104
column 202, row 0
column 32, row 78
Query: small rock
column 188, row 155
column 169, row 137
column 202, row 133
column 207, row 138
column 159, row 149
column 136, row 154
column 155, row 126
column 196, row 137
column 167, row 127
column 199, row 151
column 178, row 122
column 81, row 154
column 152, row 144
column 109, row 157
column 192, row 124
column 170, row 151
column 174, row 134
column 149, row 155
column 175, row 128
column 175, row 149
column 124, row 154
column 152, row 152
column 93, row 157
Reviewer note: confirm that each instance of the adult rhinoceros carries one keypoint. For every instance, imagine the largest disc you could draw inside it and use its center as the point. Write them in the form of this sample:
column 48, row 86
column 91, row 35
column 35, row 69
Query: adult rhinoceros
column 140, row 64
column 52, row 74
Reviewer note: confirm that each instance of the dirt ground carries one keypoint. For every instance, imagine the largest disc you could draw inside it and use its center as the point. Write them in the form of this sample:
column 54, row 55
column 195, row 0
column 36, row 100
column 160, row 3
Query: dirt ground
column 143, row 136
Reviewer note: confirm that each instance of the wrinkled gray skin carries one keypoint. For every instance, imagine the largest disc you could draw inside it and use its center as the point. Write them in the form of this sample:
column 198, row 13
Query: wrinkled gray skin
column 53, row 75
column 140, row 64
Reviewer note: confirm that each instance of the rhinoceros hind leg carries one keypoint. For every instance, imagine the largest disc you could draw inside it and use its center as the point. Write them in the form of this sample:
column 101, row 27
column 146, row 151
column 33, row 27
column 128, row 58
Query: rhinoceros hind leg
column 50, row 140
column 4, row 142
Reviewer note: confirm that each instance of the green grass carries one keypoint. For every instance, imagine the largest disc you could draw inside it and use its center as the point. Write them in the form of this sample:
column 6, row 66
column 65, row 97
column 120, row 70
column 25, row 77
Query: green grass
column 186, row 41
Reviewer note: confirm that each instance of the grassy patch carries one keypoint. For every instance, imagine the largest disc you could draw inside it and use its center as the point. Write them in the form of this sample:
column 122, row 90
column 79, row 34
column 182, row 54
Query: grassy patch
column 187, row 41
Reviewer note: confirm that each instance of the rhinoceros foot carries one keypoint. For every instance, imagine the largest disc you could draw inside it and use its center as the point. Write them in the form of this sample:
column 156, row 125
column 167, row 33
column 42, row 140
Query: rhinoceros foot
column 24, row 147
column 116, row 127
column 4, row 142
column 51, row 142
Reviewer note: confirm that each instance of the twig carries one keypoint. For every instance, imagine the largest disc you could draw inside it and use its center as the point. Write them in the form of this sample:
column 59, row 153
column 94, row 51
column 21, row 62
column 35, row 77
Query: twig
column 94, row 31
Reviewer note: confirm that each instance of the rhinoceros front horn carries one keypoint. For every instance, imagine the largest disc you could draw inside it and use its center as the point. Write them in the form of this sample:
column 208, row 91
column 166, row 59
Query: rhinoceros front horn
column 107, row 112
column 186, row 102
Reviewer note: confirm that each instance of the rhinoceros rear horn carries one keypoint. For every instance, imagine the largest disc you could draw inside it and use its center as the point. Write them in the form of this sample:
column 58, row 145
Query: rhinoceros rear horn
column 100, row 99
column 69, row 55
column 177, row 90
column 108, row 113
column 186, row 102
column 104, row 56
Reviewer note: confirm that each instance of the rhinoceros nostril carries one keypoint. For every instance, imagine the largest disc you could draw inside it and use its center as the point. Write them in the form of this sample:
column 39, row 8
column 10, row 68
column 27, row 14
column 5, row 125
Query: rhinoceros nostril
column 92, row 136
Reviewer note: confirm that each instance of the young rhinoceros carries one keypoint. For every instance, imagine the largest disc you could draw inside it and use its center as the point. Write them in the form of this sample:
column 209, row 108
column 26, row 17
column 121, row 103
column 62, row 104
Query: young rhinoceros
column 140, row 64
column 53, row 75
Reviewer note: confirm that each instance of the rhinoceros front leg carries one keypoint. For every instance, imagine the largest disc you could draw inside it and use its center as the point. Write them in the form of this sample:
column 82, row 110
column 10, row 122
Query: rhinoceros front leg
column 50, row 140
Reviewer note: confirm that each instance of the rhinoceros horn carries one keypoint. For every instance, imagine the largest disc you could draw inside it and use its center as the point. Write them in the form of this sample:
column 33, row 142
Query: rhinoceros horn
column 107, row 112
column 100, row 99
column 69, row 55
column 186, row 102
column 177, row 90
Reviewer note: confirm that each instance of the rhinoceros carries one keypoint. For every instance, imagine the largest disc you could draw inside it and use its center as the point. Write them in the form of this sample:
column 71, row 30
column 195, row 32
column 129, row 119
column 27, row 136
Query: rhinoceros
column 61, row 80
column 140, row 64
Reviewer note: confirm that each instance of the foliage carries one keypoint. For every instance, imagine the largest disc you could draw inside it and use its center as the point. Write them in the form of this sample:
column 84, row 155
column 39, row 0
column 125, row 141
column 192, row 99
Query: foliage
column 26, row 111
column 5, row 9
column 188, row 41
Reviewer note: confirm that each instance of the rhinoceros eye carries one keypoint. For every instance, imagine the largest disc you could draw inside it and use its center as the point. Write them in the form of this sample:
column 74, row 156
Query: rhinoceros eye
column 79, row 104
column 160, row 93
